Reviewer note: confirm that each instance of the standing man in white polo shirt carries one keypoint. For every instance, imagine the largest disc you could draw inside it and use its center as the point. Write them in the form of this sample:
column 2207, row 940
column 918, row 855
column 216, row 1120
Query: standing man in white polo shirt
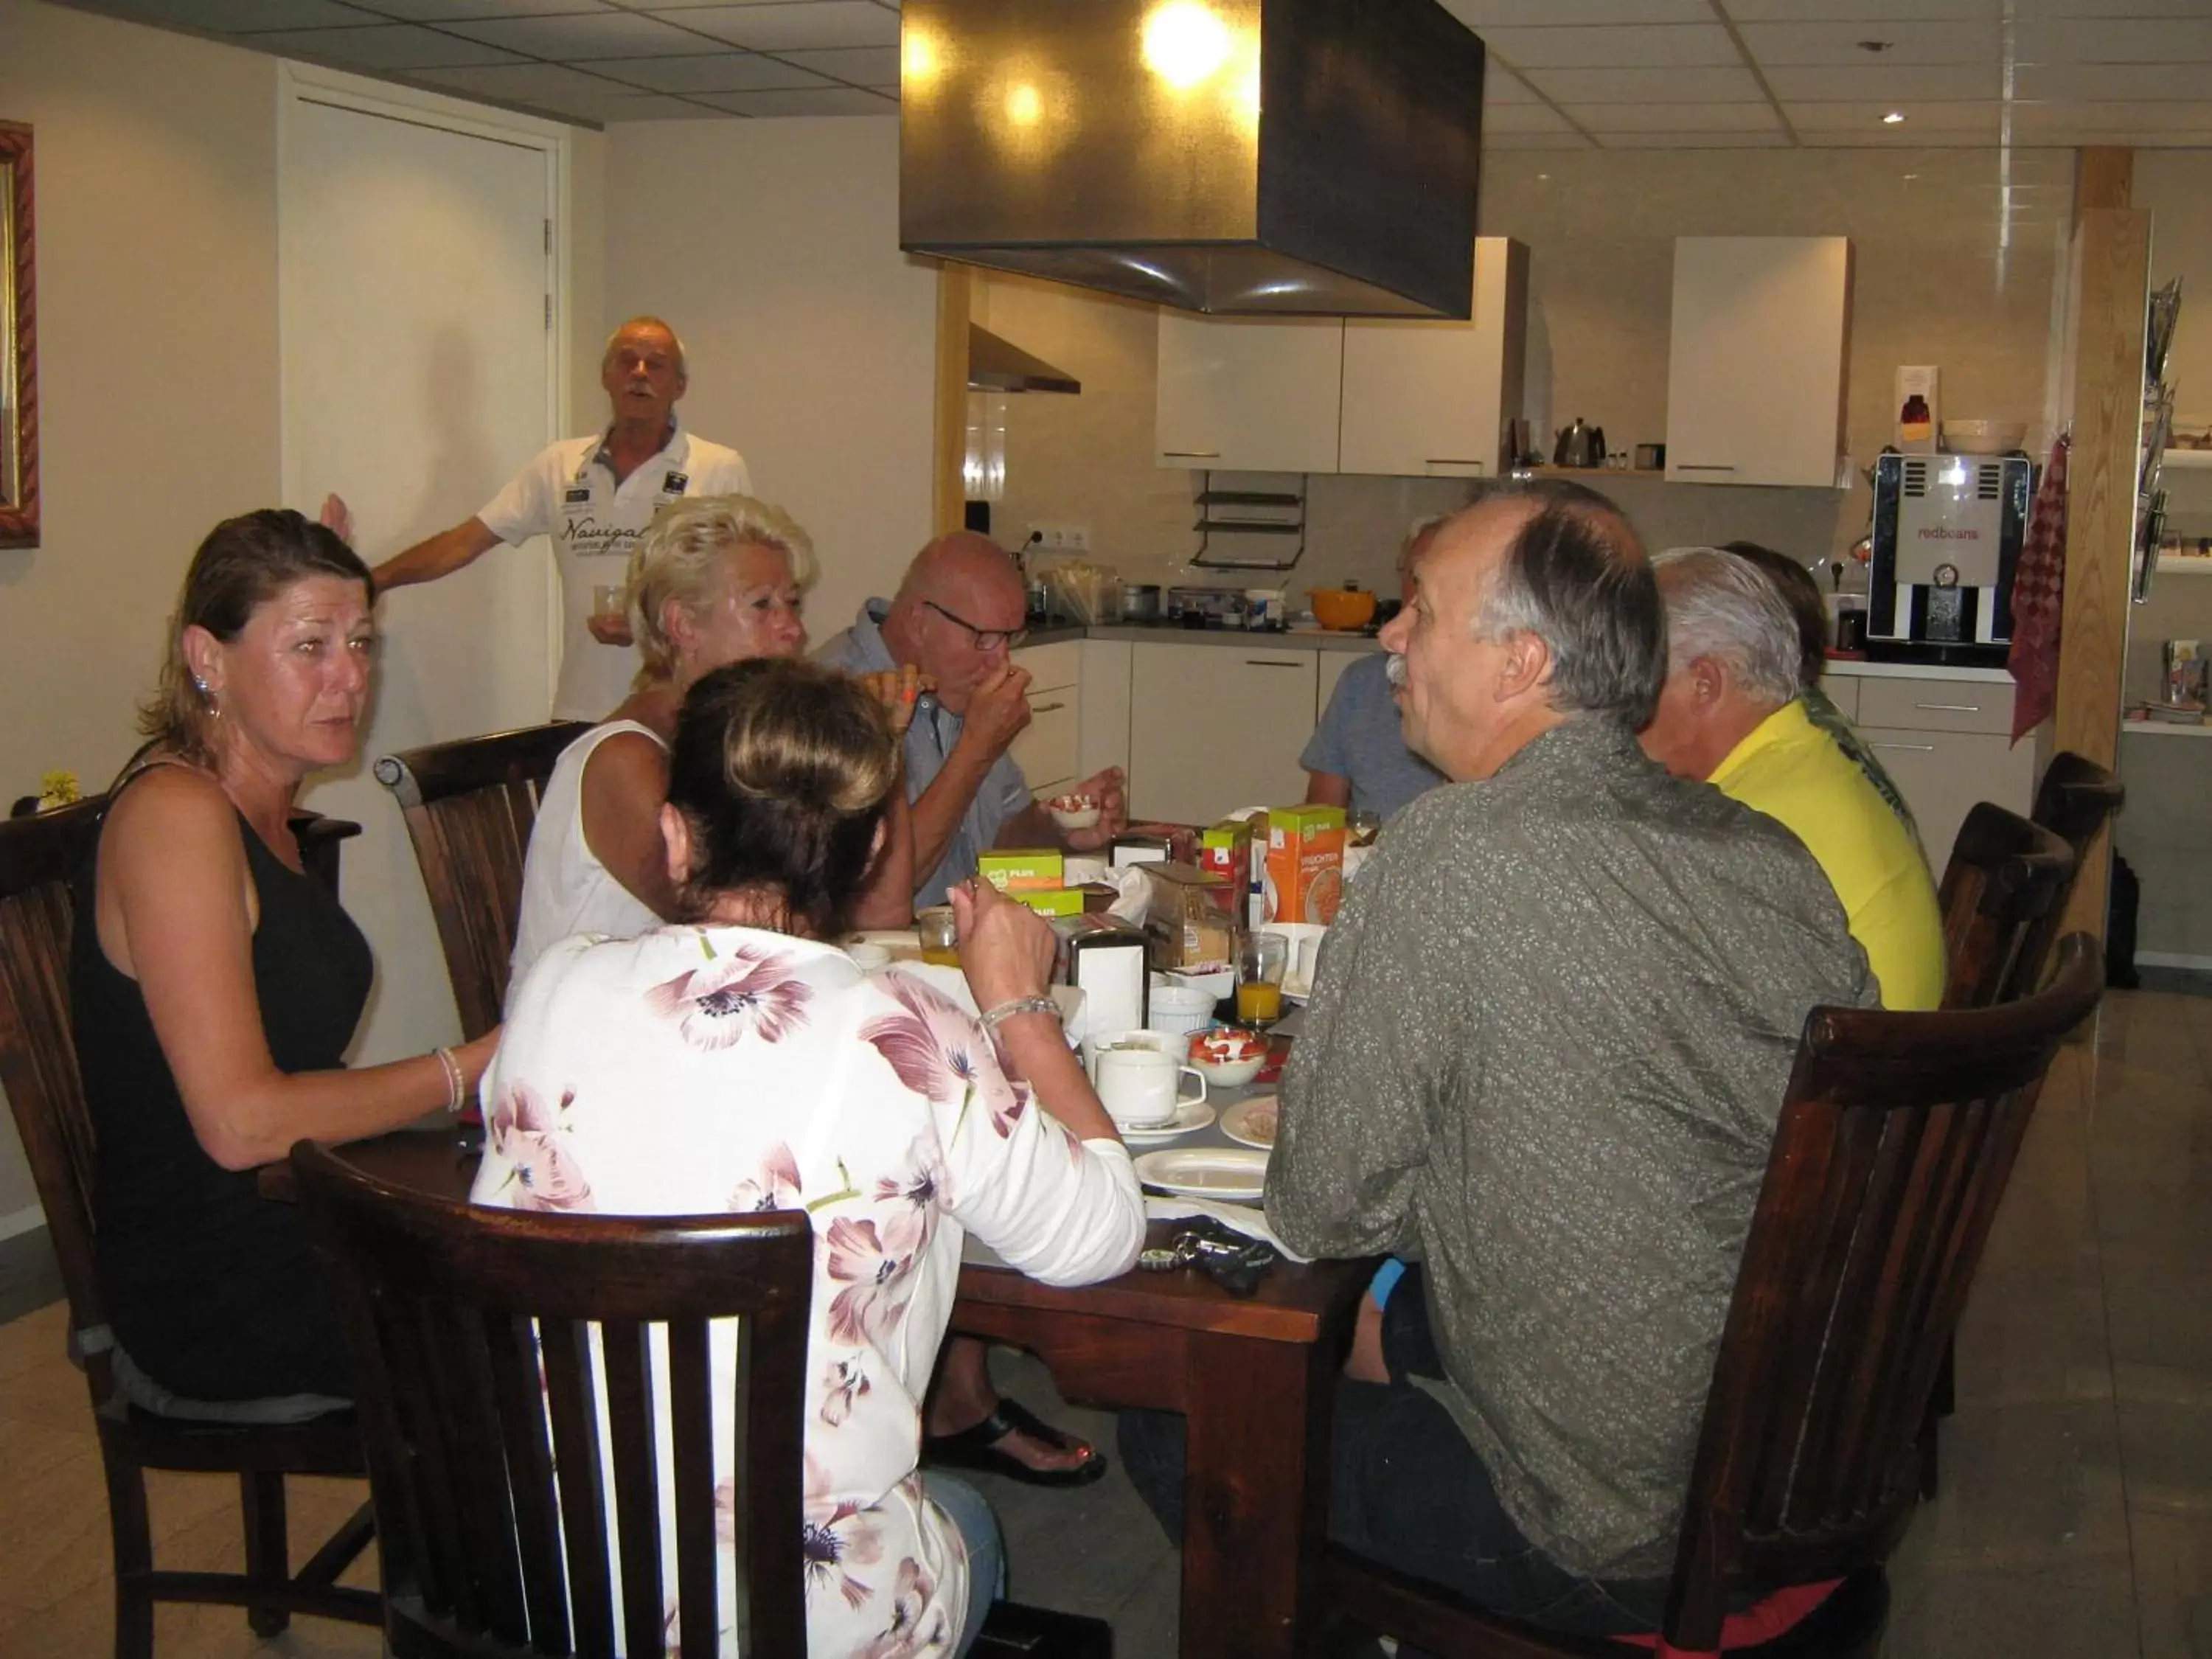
column 593, row 496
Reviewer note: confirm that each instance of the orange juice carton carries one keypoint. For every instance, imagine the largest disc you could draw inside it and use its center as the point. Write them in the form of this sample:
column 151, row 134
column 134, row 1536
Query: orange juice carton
column 1305, row 863
column 1051, row 901
column 1225, row 849
column 1022, row 869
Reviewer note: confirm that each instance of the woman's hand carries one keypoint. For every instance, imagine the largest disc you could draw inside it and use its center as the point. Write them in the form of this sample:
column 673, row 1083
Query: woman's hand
column 1006, row 949
column 897, row 689
column 336, row 517
column 475, row 1058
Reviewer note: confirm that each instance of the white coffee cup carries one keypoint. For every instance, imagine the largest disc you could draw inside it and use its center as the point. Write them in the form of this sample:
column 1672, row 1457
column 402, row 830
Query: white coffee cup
column 1138, row 1087
column 1159, row 1042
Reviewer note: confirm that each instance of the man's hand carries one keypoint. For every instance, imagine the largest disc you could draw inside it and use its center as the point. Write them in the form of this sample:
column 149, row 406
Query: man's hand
column 609, row 630
column 998, row 710
column 897, row 689
column 336, row 517
column 1107, row 789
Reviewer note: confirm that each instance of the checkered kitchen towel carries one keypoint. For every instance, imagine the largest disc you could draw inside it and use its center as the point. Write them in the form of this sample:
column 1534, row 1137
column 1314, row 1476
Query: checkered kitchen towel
column 2039, row 590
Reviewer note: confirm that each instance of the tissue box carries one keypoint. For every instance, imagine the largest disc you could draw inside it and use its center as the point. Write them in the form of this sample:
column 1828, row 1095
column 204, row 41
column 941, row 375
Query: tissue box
column 1022, row 870
column 1191, row 922
column 1305, row 863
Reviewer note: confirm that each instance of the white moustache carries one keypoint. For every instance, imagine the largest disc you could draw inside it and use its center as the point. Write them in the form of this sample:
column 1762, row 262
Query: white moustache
column 1394, row 670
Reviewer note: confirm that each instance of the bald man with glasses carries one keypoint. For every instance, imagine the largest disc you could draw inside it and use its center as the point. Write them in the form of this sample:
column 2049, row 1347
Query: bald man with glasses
column 956, row 617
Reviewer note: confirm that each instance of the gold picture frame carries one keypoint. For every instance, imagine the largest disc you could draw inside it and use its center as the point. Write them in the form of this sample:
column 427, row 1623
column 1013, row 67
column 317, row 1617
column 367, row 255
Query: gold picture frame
column 19, row 344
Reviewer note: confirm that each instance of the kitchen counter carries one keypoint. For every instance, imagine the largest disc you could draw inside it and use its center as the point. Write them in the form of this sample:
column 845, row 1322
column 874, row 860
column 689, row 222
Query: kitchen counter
column 1303, row 639
column 1852, row 667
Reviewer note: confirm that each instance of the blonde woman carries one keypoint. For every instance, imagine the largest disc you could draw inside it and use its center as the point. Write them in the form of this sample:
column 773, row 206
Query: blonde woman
column 215, row 987
column 717, row 580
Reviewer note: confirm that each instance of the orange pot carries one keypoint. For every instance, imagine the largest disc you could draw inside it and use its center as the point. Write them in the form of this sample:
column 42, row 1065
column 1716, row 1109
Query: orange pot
column 1343, row 607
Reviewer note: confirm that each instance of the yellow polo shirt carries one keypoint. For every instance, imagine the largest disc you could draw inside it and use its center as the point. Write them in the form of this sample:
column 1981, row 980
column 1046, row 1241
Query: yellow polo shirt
column 1792, row 771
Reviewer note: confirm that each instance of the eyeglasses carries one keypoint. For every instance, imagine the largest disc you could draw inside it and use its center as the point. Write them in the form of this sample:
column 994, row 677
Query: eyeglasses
column 987, row 640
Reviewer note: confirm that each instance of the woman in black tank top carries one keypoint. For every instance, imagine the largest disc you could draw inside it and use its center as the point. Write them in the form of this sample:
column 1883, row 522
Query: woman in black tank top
column 216, row 986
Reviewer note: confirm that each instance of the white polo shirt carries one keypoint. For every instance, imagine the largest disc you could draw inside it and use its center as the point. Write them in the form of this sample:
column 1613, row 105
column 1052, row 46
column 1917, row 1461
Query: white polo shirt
column 569, row 493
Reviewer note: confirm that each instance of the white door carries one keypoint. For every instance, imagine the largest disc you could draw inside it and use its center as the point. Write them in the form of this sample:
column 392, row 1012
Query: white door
column 418, row 374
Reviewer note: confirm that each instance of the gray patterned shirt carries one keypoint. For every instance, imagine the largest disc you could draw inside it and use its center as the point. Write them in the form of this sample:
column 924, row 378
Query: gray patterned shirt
column 1548, row 1042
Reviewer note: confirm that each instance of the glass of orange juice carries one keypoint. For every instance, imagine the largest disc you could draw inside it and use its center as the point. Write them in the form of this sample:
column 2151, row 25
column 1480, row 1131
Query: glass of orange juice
column 940, row 939
column 1261, row 959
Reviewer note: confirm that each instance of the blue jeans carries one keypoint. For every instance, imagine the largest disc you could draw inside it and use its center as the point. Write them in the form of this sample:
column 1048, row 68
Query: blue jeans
column 969, row 1512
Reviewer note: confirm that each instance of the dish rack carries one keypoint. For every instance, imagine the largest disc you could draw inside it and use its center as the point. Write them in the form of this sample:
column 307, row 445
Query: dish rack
column 1269, row 516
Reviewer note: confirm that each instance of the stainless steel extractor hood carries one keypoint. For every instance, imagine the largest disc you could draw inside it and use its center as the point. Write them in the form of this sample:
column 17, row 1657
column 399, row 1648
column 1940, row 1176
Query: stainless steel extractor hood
column 997, row 365
column 1239, row 157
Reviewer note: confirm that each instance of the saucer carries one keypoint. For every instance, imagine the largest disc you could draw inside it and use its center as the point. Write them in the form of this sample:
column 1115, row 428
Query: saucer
column 1193, row 1114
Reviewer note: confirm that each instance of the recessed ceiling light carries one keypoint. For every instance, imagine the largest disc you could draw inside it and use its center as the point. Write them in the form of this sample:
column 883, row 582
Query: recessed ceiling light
column 1893, row 117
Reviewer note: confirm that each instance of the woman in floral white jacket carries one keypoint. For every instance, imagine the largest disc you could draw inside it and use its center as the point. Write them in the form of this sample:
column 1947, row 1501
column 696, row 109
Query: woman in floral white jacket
column 737, row 1061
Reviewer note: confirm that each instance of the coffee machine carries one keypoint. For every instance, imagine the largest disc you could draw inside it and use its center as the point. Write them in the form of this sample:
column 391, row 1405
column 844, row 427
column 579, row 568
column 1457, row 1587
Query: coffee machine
column 1947, row 536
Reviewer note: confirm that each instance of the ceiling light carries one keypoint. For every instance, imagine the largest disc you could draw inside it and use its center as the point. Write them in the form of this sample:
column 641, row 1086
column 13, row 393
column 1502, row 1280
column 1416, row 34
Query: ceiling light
column 1893, row 117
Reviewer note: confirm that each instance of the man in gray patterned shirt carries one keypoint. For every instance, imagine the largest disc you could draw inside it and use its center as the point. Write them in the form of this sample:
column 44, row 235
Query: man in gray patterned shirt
column 1548, row 1042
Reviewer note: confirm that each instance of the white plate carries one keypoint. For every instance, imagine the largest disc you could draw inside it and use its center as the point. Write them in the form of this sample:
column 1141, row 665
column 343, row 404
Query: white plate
column 1205, row 1172
column 1237, row 1122
column 1193, row 1114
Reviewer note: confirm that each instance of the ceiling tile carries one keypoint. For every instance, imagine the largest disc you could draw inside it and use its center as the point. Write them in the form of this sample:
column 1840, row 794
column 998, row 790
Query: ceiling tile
column 619, row 105
column 1538, row 141
column 1711, row 85
column 2114, row 41
column 2150, row 116
column 239, row 16
column 1774, row 140
column 794, row 25
column 578, row 40
column 1487, row 15
column 829, row 100
column 1888, row 138
column 542, row 84
column 718, row 71
column 1873, row 83
column 382, row 47
column 1608, row 48
column 1981, row 117
column 455, row 11
column 1607, row 118
column 860, row 66
column 1501, row 85
column 1839, row 11
column 1772, row 44
column 2116, row 83
column 1522, row 118
column 2108, row 8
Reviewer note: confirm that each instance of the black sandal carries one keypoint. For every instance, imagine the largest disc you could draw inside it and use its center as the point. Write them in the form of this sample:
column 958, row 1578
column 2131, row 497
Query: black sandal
column 976, row 1447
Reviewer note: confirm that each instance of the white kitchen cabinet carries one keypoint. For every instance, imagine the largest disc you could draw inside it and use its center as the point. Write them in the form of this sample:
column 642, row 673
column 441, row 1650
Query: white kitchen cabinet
column 1103, row 708
column 1046, row 748
column 1755, row 361
column 1948, row 744
column 1241, row 395
column 1434, row 398
column 1214, row 728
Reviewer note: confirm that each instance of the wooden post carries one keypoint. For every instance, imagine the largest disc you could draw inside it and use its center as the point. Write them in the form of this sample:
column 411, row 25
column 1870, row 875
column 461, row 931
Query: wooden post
column 2114, row 249
column 949, row 496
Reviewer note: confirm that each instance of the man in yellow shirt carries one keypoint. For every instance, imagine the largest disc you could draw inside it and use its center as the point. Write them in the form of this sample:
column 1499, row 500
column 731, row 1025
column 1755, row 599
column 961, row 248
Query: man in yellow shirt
column 1731, row 713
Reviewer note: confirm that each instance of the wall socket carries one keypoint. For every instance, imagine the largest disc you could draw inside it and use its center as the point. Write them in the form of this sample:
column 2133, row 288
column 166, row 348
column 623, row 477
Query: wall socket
column 1060, row 537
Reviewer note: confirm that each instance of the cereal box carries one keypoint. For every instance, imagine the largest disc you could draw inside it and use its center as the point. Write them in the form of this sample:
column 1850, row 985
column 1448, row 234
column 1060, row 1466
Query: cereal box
column 1305, row 863
column 1022, row 870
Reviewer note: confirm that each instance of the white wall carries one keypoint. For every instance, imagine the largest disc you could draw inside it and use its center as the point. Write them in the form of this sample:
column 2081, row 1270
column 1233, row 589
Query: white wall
column 773, row 248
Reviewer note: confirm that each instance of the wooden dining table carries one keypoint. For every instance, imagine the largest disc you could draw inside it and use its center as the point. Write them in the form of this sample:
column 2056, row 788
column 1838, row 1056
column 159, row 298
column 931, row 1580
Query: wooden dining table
column 1254, row 1376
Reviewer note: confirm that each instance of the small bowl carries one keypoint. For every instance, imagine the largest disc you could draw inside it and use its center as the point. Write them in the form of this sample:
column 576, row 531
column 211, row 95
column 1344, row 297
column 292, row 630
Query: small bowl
column 1984, row 437
column 1074, row 812
column 1224, row 1073
column 1181, row 1009
column 1342, row 607
column 868, row 958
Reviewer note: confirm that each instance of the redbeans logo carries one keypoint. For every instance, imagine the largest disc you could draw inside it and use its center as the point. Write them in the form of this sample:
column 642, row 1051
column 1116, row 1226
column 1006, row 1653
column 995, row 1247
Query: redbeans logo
column 1937, row 532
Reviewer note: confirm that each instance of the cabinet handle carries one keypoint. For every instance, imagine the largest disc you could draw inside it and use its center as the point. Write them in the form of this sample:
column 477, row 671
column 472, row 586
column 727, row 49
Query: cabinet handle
column 1046, row 707
column 1193, row 454
column 1919, row 748
column 1702, row 466
column 1270, row 662
column 1950, row 708
column 1450, row 460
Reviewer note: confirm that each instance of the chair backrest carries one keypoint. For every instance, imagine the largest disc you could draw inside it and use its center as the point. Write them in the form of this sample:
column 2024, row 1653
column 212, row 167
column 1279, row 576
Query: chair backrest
column 37, row 1050
column 1896, row 1141
column 474, row 1332
column 2006, row 877
column 2075, row 801
column 470, row 806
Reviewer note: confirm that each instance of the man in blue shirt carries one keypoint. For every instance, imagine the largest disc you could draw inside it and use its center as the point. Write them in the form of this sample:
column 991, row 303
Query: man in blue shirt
column 1357, row 757
column 956, row 616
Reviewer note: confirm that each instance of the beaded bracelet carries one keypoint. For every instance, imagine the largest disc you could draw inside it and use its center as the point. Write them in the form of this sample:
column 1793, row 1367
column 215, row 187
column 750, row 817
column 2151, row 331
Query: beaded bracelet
column 1007, row 1011
column 457, row 1087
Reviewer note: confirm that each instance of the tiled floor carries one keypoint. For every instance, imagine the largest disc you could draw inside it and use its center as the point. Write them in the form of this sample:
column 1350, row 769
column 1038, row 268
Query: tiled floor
column 2076, row 1513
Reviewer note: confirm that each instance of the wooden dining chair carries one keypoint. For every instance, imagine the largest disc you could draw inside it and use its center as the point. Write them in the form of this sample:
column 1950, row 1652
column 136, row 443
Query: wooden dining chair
column 2075, row 801
column 477, row 1331
column 1896, row 1140
column 2006, row 877
column 470, row 806
column 38, row 1069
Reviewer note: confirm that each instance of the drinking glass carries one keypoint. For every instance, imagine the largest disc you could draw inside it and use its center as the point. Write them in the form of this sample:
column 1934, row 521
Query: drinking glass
column 940, row 939
column 1261, row 959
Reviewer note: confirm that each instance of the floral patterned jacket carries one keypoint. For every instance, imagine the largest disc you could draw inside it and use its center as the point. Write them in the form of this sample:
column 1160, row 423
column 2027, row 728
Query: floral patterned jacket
column 698, row 1069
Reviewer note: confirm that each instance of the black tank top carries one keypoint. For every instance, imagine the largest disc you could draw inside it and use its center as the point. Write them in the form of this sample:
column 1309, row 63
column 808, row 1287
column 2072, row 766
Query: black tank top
column 211, row 1288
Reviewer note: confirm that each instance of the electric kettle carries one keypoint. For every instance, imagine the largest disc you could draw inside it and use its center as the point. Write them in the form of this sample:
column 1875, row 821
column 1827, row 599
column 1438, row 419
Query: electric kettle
column 1580, row 445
